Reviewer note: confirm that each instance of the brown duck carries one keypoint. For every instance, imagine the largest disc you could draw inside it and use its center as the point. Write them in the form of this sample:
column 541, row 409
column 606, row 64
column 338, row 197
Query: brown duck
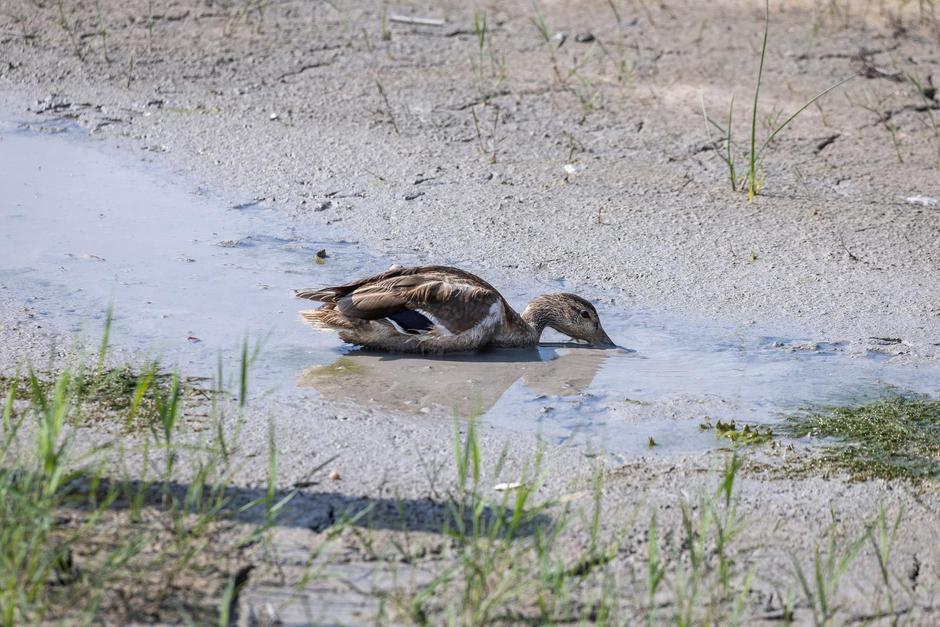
column 437, row 309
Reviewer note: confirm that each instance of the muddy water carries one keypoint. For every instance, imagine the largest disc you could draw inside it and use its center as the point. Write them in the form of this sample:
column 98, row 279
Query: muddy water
column 190, row 274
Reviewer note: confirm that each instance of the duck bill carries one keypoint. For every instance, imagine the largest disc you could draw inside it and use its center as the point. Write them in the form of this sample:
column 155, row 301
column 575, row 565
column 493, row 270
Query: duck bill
column 602, row 339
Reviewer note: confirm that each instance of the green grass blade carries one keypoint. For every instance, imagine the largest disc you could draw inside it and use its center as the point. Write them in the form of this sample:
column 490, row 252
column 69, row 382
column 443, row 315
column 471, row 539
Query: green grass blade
column 140, row 390
column 8, row 404
column 105, row 341
column 799, row 111
column 729, row 159
column 752, row 170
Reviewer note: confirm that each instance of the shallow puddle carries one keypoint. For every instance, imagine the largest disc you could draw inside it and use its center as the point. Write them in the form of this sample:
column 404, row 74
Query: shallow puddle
column 189, row 275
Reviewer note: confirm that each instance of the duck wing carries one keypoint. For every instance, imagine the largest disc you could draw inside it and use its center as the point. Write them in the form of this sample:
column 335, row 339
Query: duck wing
column 417, row 300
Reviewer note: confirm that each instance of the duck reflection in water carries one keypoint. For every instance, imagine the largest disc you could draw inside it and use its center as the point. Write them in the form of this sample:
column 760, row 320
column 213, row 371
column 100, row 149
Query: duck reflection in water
column 456, row 383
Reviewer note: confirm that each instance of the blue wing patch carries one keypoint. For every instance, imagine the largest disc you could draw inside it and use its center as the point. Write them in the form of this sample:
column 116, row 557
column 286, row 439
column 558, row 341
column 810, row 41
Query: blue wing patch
column 410, row 321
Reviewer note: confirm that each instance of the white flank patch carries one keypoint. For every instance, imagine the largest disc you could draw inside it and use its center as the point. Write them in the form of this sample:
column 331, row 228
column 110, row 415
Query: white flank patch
column 494, row 316
column 482, row 329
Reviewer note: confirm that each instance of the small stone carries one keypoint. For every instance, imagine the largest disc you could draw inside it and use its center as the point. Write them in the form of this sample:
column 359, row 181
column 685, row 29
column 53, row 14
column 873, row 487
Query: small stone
column 885, row 341
column 926, row 201
column 323, row 206
column 321, row 254
column 273, row 116
column 584, row 38
column 334, row 475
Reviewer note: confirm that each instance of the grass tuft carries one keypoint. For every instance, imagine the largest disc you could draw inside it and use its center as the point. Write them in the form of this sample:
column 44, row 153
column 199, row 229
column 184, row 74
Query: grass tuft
column 755, row 153
column 388, row 107
column 830, row 563
column 102, row 530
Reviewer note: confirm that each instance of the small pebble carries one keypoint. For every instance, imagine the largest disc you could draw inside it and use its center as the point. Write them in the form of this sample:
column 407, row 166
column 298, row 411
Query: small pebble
column 334, row 475
column 584, row 38
column 926, row 201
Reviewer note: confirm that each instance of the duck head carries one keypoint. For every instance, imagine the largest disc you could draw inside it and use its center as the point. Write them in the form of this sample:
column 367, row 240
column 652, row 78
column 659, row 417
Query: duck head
column 569, row 314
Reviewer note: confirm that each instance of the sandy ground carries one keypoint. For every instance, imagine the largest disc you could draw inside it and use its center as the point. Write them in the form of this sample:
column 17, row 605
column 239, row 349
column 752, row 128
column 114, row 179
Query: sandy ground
column 462, row 165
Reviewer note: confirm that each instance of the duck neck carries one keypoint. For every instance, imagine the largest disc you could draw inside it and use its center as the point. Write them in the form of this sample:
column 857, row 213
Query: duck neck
column 536, row 318
column 524, row 331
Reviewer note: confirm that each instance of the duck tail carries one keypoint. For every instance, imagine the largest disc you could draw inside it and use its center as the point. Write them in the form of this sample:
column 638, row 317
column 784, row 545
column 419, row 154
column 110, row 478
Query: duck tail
column 325, row 295
column 326, row 318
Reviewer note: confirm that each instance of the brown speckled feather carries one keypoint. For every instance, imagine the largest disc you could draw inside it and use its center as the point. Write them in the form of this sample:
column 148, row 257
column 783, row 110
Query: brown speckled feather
column 456, row 299
column 331, row 294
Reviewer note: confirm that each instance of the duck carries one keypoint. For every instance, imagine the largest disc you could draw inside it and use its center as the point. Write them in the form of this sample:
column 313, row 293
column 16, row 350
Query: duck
column 440, row 309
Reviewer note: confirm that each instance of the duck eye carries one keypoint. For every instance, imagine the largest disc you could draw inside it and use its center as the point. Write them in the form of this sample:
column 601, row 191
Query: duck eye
column 585, row 314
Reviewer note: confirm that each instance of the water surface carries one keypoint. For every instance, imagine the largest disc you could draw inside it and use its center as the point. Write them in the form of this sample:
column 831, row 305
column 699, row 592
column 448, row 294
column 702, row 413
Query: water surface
column 191, row 274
